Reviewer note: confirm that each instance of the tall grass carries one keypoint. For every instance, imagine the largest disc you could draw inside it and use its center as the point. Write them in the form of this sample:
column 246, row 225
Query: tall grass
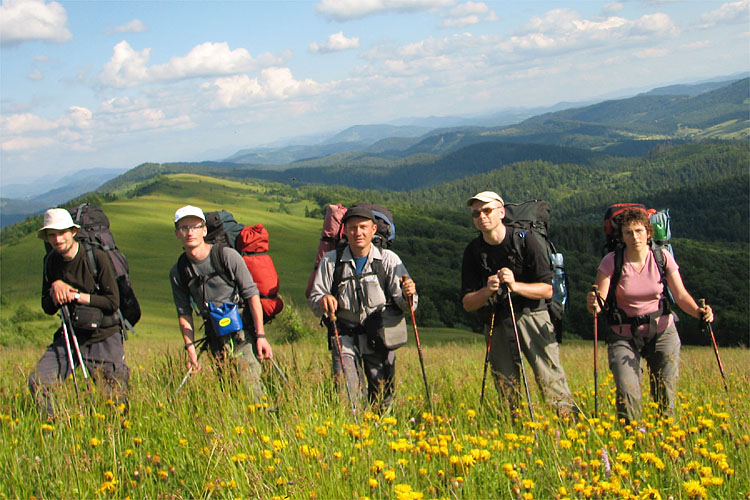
column 301, row 440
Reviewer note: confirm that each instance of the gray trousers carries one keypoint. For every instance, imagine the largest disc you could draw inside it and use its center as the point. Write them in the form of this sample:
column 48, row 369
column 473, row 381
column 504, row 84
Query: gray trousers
column 662, row 355
column 104, row 360
column 377, row 366
column 235, row 355
column 539, row 345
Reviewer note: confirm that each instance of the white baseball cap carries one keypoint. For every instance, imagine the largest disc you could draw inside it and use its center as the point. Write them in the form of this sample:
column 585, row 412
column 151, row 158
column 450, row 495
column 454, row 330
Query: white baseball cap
column 188, row 211
column 485, row 197
column 58, row 219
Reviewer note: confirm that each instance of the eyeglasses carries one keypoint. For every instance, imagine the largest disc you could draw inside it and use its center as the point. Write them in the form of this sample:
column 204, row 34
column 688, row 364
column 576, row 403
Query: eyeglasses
column 486, row 211
column 187, row 229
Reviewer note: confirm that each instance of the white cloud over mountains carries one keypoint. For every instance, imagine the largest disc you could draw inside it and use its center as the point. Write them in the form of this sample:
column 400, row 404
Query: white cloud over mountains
column 30, row 20
column 468, row 14
column 271, row 84
column 336, row 42
column 134, row 26
column 344, row 10
column 129, row 67
column 728, row 13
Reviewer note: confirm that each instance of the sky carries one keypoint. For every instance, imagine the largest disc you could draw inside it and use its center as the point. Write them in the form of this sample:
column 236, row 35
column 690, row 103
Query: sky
column 113, row 84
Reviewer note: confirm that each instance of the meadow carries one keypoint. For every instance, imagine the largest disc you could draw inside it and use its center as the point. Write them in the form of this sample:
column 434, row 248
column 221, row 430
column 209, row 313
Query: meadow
column 302, row 441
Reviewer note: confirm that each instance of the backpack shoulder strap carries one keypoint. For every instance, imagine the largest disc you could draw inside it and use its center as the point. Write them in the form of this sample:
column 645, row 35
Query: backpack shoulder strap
column 377, row 266
column 338, row 270
column 661, row 262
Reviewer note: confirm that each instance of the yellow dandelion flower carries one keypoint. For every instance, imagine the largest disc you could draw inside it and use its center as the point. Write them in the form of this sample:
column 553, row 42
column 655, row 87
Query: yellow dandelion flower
column 373, row 482
column 47, row 428
column 389, row 475
column 94, row 442
column 694, row 489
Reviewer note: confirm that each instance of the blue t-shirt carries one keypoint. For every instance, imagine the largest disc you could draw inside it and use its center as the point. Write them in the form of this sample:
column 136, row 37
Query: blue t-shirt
column 359, row 263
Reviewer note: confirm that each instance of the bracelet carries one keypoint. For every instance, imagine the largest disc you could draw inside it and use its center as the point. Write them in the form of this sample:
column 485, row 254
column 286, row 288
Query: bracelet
column 260, row 336
column 187, row 346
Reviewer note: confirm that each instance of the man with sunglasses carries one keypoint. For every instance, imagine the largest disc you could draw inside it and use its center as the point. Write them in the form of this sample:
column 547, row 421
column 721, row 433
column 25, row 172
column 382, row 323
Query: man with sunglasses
column 492, row 268
column 196, row 280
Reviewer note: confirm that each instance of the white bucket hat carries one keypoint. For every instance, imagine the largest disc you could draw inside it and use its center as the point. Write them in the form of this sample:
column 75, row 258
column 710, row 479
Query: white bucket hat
column 58, row 219
column 188, row 211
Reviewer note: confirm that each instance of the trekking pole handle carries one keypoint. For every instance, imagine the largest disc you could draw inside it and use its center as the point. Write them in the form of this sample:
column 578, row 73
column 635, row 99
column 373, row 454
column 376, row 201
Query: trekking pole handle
column 410, row 298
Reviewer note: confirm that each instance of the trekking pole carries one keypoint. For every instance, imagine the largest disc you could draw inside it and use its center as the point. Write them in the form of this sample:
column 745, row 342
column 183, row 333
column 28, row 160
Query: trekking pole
column 419, row 348
column 184, row 379
column 278, row 370
column 487, row 356
column 332, row 317
column 702, row 304
column 520, row 355
column 70, row 356
column 66, row 318
column 596, row 356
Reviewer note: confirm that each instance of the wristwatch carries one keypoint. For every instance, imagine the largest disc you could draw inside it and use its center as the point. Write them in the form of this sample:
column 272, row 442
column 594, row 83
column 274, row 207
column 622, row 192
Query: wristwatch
column 77, row 297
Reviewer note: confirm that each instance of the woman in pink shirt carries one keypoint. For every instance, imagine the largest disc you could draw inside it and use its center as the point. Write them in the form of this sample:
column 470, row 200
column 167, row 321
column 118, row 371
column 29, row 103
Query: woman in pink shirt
column 641, row 324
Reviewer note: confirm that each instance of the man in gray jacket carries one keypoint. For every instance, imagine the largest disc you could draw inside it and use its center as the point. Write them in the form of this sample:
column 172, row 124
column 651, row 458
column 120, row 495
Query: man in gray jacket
column 358, row 302
column 216, row 275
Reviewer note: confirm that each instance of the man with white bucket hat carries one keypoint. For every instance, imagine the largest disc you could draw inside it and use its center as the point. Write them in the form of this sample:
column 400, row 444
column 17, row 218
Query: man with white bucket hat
column 87, row 305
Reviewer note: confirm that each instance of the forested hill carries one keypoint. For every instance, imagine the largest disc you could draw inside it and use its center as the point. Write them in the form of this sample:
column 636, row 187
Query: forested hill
column 705, row 186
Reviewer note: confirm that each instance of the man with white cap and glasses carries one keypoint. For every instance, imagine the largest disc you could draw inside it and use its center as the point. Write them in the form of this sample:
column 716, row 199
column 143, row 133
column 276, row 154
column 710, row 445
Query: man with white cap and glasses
column 70, row 283
column 491, row 270
column 207, row 275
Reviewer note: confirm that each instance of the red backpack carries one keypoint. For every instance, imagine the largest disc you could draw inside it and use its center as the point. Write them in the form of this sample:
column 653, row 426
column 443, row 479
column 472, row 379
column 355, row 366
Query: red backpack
column 252, row 244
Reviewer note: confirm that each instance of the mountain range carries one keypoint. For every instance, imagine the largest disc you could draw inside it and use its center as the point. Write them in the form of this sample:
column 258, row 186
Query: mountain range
column 414, row 153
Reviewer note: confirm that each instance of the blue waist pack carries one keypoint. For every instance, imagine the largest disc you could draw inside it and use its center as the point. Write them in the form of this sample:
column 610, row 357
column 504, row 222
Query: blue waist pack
column 226, row 318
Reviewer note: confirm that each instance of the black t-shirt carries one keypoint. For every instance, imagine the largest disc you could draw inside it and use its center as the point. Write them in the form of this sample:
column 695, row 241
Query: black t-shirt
column 532, row 266
column 79, row 274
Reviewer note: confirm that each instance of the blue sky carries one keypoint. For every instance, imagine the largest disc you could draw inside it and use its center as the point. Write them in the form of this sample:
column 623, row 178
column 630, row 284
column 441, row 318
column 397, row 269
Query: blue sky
column 117, row 83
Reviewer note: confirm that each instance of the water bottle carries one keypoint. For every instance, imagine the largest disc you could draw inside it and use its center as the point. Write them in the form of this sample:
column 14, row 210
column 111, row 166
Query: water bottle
column 559, row 289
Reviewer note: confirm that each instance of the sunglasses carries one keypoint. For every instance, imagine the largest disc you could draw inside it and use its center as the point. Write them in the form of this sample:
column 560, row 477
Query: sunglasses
column 486, row 211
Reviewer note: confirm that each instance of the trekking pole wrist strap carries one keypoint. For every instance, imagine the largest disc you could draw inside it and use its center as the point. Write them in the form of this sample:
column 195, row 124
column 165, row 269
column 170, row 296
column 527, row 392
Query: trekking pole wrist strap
column 260, row 335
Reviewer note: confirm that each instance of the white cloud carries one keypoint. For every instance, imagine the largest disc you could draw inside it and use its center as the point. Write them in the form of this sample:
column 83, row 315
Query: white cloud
column 129, row 68
column 35, row 75
column 651, row 53
column 29, row 20
column 79, row 128
column 345, row 10
column 728, row 13
column 134, row 26
column 467, row 14
column 276, row 84
column 336, row 42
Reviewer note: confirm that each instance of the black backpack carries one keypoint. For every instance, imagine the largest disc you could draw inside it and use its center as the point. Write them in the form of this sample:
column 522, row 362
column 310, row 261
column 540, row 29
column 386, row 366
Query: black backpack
column 532, row 218
column 95, row 233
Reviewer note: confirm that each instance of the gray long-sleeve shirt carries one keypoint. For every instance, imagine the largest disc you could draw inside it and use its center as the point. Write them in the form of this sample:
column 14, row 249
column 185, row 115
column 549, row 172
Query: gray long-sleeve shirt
column 353, row 305
column 216, row 290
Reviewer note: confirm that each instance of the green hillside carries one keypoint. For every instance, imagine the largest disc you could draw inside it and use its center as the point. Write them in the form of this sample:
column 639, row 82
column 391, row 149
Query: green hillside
column 705, row 186
column 144, row 230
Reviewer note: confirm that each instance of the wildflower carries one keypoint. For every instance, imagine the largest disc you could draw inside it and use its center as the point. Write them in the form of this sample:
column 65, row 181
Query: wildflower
column 128, row 452
column 94, row 442
column 47, row 428
column 389, row 475
column 208, row 429
column 694, row 489
column 137, row 440
column 239, row 430
column 162, row 475
column 373, row 483
column 281, row 481
column 471, row 414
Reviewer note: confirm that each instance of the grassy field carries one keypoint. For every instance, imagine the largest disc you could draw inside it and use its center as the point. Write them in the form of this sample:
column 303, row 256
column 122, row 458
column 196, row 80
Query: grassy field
column 210, row 441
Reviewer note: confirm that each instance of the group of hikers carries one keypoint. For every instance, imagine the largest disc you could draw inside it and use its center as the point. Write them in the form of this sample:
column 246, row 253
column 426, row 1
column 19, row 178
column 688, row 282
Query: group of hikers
column 355, row 290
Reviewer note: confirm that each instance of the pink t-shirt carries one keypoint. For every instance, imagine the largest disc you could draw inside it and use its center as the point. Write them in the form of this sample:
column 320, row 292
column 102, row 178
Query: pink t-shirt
column 638, row 293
